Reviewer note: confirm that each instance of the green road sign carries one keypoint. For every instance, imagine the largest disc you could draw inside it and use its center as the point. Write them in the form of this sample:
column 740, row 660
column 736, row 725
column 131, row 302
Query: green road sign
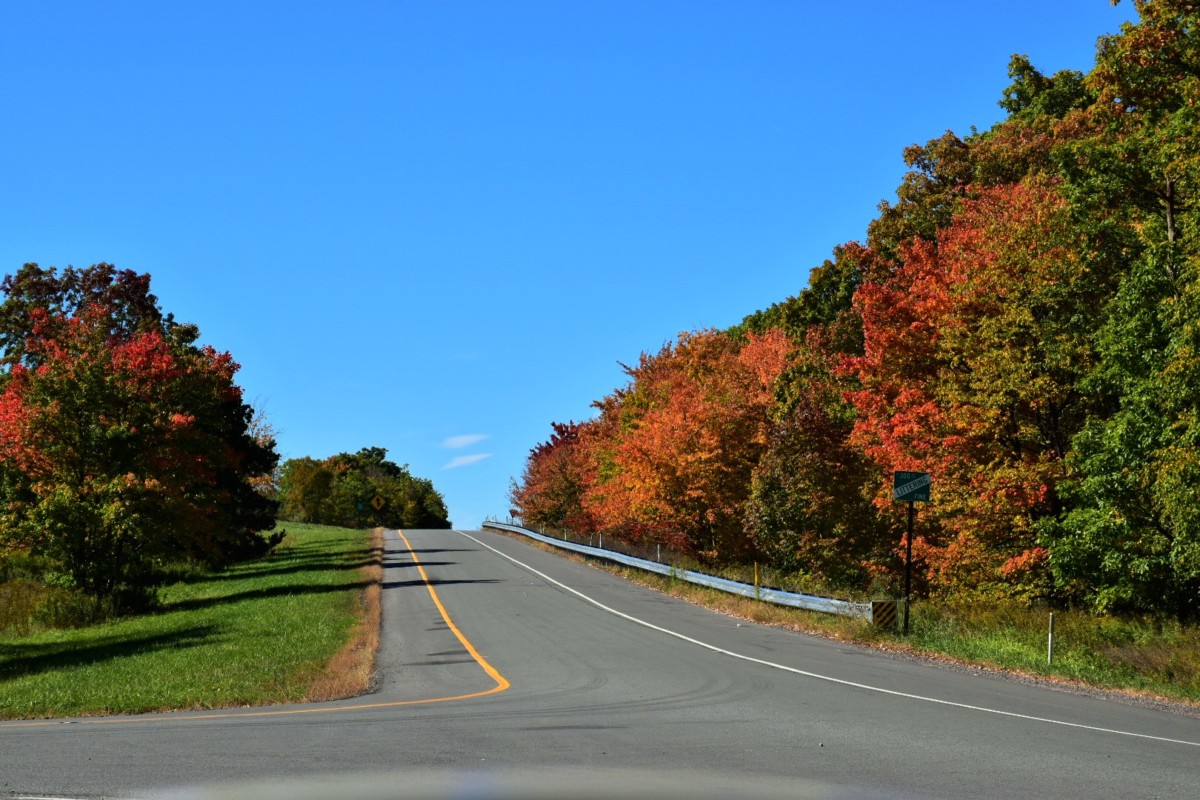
column 912, row 486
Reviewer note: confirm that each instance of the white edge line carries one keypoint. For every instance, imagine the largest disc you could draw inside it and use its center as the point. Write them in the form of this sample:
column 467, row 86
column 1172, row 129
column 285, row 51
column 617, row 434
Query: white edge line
column 807, row 674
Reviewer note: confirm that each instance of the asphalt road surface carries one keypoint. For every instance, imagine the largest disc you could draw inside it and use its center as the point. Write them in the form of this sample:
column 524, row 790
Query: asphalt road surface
column 508, row 671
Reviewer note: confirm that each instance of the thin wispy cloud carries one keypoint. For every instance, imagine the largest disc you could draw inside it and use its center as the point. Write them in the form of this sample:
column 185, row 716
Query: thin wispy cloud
column 466, row 440
column 466, row 461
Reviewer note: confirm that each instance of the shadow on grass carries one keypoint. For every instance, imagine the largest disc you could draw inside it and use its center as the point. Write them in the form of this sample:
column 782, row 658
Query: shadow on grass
column 257, row 594
column 293, row 569
column 292, row 564
column 303, row 548
column 30, row 659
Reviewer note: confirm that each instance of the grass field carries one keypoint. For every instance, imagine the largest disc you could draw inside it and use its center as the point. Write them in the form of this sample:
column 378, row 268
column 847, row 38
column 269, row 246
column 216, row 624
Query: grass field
column 260, row 632
column 1150, row 655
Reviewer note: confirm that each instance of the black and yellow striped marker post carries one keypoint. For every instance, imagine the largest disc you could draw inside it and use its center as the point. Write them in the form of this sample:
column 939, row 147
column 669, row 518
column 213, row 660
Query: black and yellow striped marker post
column 883, row 613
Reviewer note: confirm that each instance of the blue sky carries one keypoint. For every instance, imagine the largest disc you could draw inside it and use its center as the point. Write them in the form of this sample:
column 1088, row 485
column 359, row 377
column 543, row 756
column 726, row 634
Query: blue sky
column 436, row 227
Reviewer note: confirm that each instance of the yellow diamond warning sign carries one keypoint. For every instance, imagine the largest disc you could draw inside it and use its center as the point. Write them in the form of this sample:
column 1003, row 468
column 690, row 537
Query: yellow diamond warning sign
column 378, row 503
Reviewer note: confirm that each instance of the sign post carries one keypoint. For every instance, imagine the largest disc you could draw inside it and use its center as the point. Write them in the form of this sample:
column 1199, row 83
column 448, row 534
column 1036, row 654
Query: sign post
column 908, row 563
column 910, row 487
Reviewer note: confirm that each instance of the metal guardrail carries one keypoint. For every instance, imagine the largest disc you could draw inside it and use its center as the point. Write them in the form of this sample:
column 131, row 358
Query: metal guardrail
column 877, row 612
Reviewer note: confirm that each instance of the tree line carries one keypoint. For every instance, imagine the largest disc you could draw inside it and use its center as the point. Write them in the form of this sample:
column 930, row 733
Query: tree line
column 1023, row 322
column 360, row 490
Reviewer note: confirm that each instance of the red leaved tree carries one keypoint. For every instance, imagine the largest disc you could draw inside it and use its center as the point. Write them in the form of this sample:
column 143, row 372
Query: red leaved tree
column 685, row 437
column 974, row 348
column 126, row 450
column 551, row 488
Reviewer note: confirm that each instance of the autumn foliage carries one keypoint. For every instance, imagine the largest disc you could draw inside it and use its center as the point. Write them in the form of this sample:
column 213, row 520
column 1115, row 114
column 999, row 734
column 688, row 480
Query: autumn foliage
column 974, row 349
column 671, row 455
column 1022, row 321
column 124, row 447
column 689, row 430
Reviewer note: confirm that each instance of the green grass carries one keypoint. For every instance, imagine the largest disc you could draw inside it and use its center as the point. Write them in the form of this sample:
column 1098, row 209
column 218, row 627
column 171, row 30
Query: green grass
column 1142, row 654
column 256, row 633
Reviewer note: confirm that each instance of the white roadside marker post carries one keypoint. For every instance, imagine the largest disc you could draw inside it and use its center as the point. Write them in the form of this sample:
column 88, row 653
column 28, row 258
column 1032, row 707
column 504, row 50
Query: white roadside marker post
column 1050, row 642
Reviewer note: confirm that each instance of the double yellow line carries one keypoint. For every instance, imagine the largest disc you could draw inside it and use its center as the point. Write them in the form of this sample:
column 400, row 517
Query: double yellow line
column 501, row 682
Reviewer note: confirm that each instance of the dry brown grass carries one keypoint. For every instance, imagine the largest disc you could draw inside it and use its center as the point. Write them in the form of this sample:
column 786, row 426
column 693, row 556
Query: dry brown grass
column 20, row 600
column 350, row 672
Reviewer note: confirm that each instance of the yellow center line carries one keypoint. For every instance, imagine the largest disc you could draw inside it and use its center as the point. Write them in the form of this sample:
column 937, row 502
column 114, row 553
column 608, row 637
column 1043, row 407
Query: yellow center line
column 501, row 682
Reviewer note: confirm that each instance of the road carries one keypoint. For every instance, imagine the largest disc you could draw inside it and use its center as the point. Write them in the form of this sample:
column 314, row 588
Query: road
column 499, row 659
